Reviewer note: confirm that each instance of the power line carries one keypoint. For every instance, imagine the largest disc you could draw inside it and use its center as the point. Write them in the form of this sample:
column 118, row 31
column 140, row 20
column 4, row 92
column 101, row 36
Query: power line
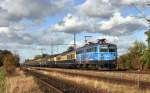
column 52, row 44
column 142, row 13
column 85, row 38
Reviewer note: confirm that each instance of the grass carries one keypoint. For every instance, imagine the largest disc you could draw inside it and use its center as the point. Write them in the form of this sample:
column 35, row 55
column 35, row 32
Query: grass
column 128, row 76
column 97, row 84
column 19, row 83
column 2, row 80
column 22, row 85
column 2, row 74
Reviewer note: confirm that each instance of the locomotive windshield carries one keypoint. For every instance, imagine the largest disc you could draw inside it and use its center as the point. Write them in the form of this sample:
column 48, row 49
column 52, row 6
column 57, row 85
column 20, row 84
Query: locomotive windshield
column 107, row 48
column 112, row 48
column 103, row 50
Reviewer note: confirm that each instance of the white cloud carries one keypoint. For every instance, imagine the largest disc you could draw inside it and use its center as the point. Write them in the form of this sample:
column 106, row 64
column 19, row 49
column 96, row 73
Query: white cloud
column 36, row 10
column 116, row 25
column 14, row 17
column 4, row 29
column 71, row 24
column 129, row 2
column 119, row 25
column 26, row 38
column 96, row 8
column 104, row 9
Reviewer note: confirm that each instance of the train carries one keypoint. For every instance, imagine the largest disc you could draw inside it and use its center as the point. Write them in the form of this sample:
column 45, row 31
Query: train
column 99, row 55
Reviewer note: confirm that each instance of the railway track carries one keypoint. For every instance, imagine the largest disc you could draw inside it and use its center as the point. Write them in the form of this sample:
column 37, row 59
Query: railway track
column 60, row 86
column 48, row 87
column 121, row 80
column 43, row 83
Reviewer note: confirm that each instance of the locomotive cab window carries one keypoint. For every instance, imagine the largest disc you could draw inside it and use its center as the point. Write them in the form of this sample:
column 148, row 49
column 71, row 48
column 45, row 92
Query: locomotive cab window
column 103, row 50
column 91, row 49
column 112, row 50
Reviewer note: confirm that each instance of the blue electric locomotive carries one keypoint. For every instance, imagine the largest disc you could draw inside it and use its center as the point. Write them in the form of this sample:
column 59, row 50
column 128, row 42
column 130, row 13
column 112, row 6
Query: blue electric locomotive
column 101, row 55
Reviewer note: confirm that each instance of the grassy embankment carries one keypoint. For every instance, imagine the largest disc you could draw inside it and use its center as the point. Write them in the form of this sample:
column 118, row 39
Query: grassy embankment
column 18, row 83
column 2, row 80
column 12, row 79
column 97, row 84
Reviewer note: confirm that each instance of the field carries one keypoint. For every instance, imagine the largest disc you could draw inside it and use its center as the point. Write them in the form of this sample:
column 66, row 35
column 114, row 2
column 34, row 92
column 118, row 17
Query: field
column 111, row 74
column 2, row 80
column 109, row 87
column 18, row 83
column 21, row 82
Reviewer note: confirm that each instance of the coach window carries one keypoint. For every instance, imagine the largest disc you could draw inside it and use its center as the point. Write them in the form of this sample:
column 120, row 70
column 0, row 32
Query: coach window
column 68, row 57
column 73, row 56
column 58, row 58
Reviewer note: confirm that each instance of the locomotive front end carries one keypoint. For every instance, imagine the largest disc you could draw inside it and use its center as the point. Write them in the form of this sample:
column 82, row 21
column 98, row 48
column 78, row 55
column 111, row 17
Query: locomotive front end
column 108, row 56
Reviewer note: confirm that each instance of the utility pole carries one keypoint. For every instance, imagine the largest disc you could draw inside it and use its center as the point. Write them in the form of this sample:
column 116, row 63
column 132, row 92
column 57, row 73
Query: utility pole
column 51, row 46
column 74, row 40
column 42, row 51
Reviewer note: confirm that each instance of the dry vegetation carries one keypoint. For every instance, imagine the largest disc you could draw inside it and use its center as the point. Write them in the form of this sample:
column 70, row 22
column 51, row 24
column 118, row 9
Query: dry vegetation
column 9, row 63
column 109, row 87
column 129, row 76
column 19, row 83
column 13, row 80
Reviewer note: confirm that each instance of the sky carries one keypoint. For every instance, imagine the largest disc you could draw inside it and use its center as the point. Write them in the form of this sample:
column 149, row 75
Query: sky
column 30, row 27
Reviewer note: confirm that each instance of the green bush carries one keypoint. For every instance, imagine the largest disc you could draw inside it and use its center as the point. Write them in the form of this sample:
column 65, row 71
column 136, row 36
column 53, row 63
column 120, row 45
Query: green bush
column 2, row 80
column 2, row 74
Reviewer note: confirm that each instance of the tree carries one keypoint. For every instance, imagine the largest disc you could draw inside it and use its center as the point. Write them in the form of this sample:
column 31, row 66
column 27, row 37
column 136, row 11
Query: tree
column 17, row 60
column 146, row 56
column 8, row 60
column 133, row 59
column 38, row 56
column 2, row 54
column 136, row 52
column 9, row 63
column 71, row 48
column 1, row 62
column 124, row 62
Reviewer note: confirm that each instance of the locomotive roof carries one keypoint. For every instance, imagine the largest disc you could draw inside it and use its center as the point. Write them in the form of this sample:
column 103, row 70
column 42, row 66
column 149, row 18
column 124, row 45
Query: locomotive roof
column 95, row 44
